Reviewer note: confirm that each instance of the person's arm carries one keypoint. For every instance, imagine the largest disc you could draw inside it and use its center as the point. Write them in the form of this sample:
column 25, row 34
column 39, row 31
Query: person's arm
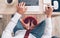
column 9, row 29
column 21, row 9
column 48, row 29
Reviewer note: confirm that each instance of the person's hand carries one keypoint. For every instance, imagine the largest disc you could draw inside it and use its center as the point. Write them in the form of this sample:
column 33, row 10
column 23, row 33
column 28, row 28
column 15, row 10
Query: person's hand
column 28, row 26
column 21, row 9
column 48, row 11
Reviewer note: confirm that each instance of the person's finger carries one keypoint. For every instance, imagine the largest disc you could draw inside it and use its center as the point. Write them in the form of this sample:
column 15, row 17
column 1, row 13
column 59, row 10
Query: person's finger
column 25, row 8
column 17, row 6
column 23, row 3
column 28, row 22
column 52, row 8
column 46, row 8
column 20, row 4
column 32, row 23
